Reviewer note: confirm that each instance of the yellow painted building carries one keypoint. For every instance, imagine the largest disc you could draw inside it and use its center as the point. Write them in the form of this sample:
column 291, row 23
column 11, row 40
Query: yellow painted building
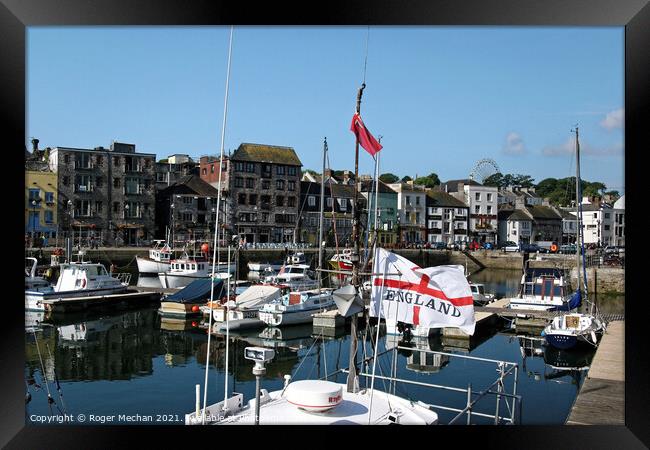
column 41, row 203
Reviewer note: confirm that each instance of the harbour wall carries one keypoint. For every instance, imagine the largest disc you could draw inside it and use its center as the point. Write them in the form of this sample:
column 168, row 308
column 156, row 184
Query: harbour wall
column 603, row 280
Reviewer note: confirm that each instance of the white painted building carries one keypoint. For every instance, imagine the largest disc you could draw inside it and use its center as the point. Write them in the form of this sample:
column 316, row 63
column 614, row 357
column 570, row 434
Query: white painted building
column 515, row 226
column 482, row 202
column 600, row 223
column 411, row 204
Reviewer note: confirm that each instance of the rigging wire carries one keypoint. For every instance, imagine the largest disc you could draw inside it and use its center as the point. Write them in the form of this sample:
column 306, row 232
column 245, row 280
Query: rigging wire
column 216, row 231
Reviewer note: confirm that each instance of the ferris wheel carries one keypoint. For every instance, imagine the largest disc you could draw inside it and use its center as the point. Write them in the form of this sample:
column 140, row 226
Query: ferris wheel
column 483, row 169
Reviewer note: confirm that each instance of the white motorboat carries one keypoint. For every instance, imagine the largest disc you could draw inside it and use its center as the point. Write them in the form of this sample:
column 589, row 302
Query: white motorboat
column 545, row 289
column 247, row 304
column 159, row 259
column 264, row 267
column 78, row 279
column 296, row 307
column 479, row 295
column 297, row 276
column 184, row 270
column 33, row 282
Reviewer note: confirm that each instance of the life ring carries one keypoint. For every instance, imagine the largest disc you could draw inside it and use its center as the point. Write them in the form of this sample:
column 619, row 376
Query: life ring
column 553, row 248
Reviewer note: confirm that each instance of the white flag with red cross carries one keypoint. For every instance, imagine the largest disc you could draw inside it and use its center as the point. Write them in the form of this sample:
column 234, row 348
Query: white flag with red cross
column 434, row 297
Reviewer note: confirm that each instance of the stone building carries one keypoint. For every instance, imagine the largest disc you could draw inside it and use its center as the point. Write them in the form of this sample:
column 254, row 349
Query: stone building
column 264, row 183
column 172, row 169
column 107, row 193
column 186, row 211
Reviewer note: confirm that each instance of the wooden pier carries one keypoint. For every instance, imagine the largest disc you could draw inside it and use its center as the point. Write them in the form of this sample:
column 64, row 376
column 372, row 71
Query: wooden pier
column 601, row 400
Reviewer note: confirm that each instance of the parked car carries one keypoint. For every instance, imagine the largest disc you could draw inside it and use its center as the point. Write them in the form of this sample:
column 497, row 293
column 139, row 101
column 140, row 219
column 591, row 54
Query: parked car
column 474, row 245
column 509, row 246
column 614, row 250
column 530, row 248
column 488, row 245
column 439, row 246
column 453, row 246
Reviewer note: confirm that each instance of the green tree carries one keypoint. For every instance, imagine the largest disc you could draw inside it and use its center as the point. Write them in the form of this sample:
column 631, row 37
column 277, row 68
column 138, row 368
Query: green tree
column 495, row 180
column 406, row 178
column 429, row 181
column 388, row 178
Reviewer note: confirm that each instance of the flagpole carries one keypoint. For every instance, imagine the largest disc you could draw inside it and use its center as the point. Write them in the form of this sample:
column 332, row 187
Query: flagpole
column 352, row 381
column 320, row 217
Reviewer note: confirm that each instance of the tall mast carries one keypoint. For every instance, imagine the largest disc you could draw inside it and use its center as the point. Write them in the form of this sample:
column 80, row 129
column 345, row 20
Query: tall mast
column 320, row 218
column 354, row 258
column 578, row 209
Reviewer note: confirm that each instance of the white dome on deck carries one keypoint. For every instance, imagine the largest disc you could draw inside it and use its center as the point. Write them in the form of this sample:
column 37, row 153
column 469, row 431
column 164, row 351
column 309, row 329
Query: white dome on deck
column 314, row 395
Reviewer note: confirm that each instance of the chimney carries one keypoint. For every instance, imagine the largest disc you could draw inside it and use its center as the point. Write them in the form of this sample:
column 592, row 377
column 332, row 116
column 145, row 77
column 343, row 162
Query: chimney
column 34, row 145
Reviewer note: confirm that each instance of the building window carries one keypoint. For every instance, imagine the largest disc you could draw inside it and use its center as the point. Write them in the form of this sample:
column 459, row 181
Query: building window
column 204, row 171
column 49, row 216
column 291, row 201
column 131, row 186
column 266, row 185
column 279, row 184
column 34, row 219
column 241, row 199
column 606, row 227
column 99, row 207
column 477, row 196
column 291, row 170
column 291, row 185
column 34, row 194
column 239, row 182
column 311, row 200
column 250, row 167
column 489, row 209
column 49, row 197
column 329, row 202
column 250, row 183
column 116, row 206
column 343, row 204
column 239, row 167
column 417, row 200
column 279, row 170
column 211, row 168
column 489, row 197
column 187, row 200
column 279, row 200
column 252, row 199
column 265, row 217
column 417, row 217
column 116, row 161
column 408, row 200
column 116, row 182
column 100, row 160
column 477, row 209
column 606, row 215
column 66, row 180
column 66, row 159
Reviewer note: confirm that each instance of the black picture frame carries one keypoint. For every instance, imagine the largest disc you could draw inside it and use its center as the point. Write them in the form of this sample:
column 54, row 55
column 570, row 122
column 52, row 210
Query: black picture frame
column 634, row 15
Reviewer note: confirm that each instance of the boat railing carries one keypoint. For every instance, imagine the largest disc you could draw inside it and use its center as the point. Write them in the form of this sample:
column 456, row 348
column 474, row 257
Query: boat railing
column 507, row 404
column 124, row 277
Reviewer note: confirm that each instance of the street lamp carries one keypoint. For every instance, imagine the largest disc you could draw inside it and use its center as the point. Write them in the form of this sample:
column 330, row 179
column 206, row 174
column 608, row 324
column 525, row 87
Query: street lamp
column 126, row 215
column 69, row 204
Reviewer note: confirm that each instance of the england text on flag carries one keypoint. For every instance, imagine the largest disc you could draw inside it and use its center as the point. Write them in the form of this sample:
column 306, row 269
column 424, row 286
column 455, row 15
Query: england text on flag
column 434, row 297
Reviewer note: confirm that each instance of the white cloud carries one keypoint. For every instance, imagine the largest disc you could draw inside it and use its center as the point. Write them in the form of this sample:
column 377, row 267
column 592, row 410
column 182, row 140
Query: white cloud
column 514, row 144
column 585, row 149
column 613, row 120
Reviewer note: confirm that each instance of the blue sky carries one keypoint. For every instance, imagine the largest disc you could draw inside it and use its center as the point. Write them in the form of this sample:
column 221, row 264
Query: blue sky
column 441, row 97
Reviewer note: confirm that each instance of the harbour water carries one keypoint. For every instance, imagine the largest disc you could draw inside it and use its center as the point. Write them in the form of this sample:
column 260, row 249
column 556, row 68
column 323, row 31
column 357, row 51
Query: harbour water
column 134, row 367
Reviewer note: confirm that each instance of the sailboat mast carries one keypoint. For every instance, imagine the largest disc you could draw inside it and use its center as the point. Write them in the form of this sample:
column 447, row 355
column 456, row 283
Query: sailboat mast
column 320, row 217
column 354, row 257
column 578, row 246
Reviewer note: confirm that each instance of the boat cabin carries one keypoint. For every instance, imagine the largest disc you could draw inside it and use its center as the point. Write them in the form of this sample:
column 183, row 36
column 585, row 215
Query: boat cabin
column 544, row 283
column 75, row 276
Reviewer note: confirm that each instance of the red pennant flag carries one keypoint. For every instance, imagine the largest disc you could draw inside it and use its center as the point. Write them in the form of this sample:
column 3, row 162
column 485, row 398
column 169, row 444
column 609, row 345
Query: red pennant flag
column 366, row 139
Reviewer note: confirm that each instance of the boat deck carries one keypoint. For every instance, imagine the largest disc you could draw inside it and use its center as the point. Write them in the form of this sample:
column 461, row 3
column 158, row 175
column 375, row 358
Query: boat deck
column 601, row 400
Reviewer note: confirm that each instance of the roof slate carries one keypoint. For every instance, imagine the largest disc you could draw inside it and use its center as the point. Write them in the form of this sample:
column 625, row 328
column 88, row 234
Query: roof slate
column 266, row 153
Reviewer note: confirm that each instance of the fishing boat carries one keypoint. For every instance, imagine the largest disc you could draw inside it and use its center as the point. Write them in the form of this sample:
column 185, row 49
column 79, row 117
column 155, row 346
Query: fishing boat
column 296, row 307
column 567, row 330
column 159, row 259
column 78, row 279
column 264, row 267
column 184, row 270
column 341, row 261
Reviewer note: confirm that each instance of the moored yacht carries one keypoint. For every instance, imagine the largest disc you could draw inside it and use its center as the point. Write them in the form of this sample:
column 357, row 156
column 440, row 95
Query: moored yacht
column 183, row 271
column 296, row 307
column 479, row 295
column 545, row 288
column 296, row 276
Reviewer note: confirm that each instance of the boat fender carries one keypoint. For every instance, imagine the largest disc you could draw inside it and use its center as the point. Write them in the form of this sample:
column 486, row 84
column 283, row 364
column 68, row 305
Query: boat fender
column 314, row 395
column 553, row 248
column 83, row 282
